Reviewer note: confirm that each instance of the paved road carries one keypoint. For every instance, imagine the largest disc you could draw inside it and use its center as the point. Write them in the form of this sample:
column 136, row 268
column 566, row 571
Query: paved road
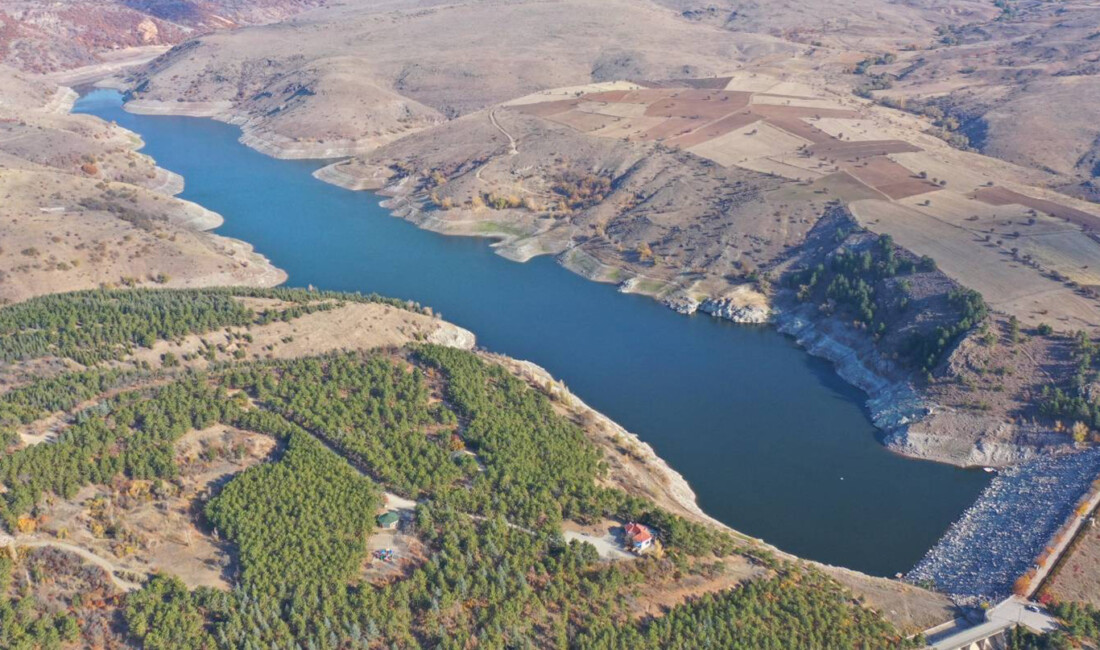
column 1005, row 615
column 1014, row 610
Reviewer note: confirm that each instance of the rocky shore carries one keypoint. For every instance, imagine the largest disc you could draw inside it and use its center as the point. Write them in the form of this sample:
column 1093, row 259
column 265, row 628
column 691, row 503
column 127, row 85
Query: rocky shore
column 744, row 306
column 1005, row 532
column 893, row 403
column 911, row 425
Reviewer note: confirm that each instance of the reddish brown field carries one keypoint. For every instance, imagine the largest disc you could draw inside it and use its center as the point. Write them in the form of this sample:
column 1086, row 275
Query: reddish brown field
column 643, row 96
column 712, row 83
column 672, row 127
column 864, row 149
column 890, row 178
column 714, row 129
column 797, row 127
column 1004, row 196
column 696, row 114
column 608, row 96
column 704, row 104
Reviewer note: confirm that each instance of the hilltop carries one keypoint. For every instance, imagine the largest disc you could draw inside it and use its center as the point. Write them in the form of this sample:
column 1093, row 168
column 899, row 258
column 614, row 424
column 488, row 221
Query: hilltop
column 235, row 446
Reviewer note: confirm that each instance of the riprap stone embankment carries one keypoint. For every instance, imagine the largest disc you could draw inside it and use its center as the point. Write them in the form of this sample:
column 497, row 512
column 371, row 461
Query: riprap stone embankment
column 1000, row 537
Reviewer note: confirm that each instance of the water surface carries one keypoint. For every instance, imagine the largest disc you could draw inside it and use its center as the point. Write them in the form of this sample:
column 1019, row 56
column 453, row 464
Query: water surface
column 772, row 441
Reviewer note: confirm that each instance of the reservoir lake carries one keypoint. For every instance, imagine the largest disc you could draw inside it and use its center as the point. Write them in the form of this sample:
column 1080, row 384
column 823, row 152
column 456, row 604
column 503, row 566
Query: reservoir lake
column 773, row 442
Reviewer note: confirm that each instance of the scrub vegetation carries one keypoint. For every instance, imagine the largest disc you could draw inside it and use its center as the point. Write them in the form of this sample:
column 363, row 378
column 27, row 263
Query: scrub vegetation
column 1073, row 402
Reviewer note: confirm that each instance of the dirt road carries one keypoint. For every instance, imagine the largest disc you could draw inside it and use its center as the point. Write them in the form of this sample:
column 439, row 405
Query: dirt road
column 101, row 562
column 512, row 149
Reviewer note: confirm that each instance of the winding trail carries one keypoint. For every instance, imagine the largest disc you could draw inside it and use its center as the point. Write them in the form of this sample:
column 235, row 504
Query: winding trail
column 101, row 562
column 512, row 149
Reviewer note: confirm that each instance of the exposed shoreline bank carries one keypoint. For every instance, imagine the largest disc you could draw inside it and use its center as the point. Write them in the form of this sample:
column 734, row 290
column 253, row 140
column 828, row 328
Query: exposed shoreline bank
column 193, row 216
column 894, row 405
column 645, row 472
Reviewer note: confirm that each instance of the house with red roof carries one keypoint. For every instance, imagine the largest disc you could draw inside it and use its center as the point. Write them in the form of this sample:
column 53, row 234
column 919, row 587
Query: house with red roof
column 638, row 537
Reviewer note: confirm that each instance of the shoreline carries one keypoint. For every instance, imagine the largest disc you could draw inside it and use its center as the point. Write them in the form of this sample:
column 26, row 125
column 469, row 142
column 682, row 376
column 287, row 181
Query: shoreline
column 893, row 405
column 191, row 215
column 675, row 490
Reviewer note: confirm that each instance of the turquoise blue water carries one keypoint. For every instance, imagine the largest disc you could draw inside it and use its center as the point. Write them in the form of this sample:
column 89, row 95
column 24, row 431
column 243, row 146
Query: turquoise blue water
column 771, row 440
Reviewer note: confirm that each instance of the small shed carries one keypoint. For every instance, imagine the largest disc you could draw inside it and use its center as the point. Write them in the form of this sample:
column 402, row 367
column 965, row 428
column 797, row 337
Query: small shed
column 388, row 519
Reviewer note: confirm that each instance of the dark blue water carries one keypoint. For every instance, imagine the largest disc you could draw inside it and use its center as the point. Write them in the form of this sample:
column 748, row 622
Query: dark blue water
column 773, row 442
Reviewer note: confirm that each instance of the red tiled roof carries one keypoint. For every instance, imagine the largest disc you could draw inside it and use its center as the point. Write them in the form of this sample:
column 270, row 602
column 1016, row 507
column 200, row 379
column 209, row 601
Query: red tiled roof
column 638, row 533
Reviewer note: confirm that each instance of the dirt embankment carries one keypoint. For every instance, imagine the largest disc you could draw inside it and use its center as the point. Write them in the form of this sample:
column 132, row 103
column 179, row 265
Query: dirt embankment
column 946, row 379
column 636, row 468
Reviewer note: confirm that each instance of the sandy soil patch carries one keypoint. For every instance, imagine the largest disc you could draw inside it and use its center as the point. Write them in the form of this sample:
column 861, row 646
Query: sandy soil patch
column 756, row 140
column 633, row 127
column 801, row 102
column 408, row 552
column 856, row 127
column 910, row 608
column 1071, row 253
column 605, row 537
column 960, row 176
column 583, row 122
column 670, row 587
column 141, row 531
column 785, row 166
column 546, row 108
column 751, row 82
column 574, row 91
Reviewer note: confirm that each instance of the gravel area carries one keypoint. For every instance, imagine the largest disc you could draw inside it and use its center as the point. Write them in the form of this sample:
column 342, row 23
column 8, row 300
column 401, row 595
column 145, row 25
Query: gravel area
column 998, row 538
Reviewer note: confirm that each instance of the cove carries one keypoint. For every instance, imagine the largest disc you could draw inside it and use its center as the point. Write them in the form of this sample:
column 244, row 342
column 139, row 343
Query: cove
column 773, row 442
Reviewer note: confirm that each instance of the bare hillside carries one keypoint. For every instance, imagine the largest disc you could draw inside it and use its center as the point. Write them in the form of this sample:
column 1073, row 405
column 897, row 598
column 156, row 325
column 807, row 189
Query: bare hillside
column 82, row 208
column 40, row 36
column 351, row 77
column 847, row 24
column 1021, row 86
